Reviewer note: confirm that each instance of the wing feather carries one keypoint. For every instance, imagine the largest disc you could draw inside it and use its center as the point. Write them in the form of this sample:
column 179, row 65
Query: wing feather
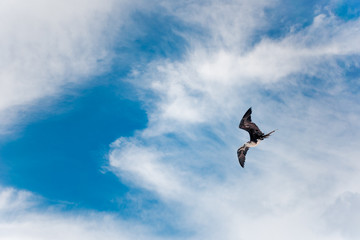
column 241, row 152
column 247, row 125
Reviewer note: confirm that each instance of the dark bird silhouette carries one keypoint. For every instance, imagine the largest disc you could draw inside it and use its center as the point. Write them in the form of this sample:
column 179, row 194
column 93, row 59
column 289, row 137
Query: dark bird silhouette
column 255, row 136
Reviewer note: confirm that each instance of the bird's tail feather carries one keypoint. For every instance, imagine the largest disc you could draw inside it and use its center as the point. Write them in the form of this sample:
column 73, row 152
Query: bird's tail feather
column 267, row 135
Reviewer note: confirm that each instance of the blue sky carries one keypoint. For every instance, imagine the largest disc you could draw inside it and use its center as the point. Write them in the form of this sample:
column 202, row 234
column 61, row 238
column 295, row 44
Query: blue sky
column 119, row 119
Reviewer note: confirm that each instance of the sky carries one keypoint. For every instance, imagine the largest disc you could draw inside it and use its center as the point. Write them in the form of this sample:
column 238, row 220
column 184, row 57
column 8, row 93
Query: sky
column 119, row 119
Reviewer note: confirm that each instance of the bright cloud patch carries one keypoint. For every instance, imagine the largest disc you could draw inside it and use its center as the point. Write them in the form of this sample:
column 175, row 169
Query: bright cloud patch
column 46, row 47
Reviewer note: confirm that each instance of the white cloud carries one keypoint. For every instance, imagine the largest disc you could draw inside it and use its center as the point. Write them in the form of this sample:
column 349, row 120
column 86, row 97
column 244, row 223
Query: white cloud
column 149, row 171
column 195, row 90
column 292, row 179
column 231, row 23
column 12, row 200
column 50, row 46
column 340, row 215
column 22, row 218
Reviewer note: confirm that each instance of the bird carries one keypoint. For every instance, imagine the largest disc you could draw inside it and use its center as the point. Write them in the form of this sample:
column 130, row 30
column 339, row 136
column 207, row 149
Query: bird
column 256, row 135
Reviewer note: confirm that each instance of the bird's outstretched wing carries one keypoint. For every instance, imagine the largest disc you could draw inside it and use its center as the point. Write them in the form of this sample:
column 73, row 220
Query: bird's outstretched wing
column 249, row 126
column 241, row 152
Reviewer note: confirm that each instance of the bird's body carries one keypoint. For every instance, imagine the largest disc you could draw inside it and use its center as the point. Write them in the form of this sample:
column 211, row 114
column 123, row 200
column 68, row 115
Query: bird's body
column 256, row 135
column 252, row 144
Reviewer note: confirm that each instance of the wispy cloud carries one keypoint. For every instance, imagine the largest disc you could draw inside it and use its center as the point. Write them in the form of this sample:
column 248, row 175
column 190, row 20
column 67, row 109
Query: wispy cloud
column 292, row 182
column 49, row 46
column 22, row 216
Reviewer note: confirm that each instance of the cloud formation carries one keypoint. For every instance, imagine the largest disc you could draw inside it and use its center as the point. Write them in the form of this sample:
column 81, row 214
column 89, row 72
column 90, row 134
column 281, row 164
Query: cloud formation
column 22, row 218
column 48, row 47
column 293, row 180
column 299, row 184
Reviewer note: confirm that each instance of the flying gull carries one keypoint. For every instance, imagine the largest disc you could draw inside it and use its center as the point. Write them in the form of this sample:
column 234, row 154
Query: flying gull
column 255, row 136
